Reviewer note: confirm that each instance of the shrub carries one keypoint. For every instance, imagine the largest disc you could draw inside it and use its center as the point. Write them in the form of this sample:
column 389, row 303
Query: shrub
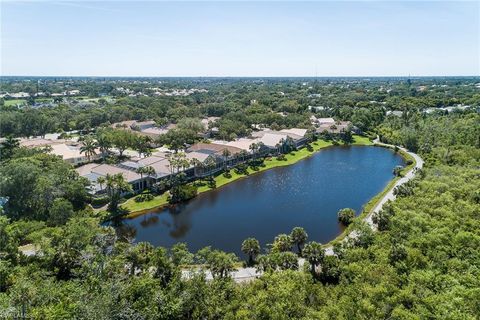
column 281, row 157
column 211, row 183
column 227, row 174
column 144, row 197
column 182, row 193
column 200, row 183
column 100, row 201
column 242, row 168
column 161, row 186
column 346, row 216
column 397, row 171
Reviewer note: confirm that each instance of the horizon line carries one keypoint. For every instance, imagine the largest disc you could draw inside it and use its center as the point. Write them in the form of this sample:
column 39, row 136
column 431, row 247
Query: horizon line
column 240, row 76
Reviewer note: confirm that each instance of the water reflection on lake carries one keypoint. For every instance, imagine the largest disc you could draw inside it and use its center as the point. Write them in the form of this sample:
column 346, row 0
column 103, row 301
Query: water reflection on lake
column 307, row 194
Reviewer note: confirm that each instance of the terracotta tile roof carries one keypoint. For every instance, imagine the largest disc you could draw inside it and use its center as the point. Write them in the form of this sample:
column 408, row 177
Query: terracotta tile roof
column 213, row 148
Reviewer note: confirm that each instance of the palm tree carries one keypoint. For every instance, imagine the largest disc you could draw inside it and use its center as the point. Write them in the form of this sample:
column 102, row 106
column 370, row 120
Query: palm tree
column 278, row 147
column 299, row 237
column 314, row 253
column 148, row 171
column 116, row 185
column 104, row 143
column 346, row 216
column 311, row 134
column 221, row 263
column 243, row 154
column 110, row 184
column 140, row 171
column 210, row 163
column 89, row 146
column 286, row 260
column 139, row 256
column 178, row 161
column 254, row 149
column 282, row 243
column 290, row 144
column 282, row 145
column 260, row 146
column 197, row 164
column 226, row 153
column 251, row 247
column 101, row 181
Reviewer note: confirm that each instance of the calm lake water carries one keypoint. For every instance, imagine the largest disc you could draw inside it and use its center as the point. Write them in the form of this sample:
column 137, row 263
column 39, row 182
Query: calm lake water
column 307, row 194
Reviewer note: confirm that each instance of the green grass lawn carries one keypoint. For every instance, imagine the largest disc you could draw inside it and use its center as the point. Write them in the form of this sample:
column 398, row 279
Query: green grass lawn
column 14, row 102
column 138, row 208
column 361, row 141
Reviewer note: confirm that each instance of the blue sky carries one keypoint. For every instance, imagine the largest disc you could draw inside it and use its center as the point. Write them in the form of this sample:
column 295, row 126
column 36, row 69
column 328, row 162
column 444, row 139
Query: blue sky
column 122, row 38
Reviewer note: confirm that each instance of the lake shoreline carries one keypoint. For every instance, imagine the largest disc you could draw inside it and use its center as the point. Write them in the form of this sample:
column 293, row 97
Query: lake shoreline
column 161, row 201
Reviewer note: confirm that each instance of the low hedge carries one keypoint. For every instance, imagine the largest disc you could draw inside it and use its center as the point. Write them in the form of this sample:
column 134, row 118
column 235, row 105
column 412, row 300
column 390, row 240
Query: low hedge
column 100, row 201
column 144, row 197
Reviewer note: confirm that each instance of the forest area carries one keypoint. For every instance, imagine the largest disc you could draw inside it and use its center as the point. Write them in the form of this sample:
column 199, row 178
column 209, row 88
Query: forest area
column 423, row 263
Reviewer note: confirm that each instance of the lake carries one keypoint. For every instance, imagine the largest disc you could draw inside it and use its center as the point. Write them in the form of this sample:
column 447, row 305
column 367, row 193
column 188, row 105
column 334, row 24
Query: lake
column 306, row 194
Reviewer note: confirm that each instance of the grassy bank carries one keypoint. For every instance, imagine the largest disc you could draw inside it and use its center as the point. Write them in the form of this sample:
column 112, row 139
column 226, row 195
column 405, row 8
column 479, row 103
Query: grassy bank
column 13, row 102
column 139, row 208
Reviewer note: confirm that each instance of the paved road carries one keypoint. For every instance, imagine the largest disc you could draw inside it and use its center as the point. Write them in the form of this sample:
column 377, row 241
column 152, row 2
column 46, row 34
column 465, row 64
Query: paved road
column 248, row 274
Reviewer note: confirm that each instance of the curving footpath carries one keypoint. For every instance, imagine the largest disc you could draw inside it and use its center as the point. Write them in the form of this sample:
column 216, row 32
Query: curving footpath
column 408, row 176
column 389, row 196
column 248, row 274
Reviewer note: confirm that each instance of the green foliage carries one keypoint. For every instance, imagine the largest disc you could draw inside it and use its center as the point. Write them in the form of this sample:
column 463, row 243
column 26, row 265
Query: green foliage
column 298, row 236
column 241, row 169
column 33, row 183
column 144, row 197
column 251, row 247
column 282, row 243
column 346, row 216
column 116, row 185
column 404, row 190
column 60, row 212
column 180, row 254
column 8, row 147
column 227, row 174
column 99, row 201
column 220, row 263
column 397, row 171
column 314, row 254
column 421, row 264
column 182, row 193
column 211, row 183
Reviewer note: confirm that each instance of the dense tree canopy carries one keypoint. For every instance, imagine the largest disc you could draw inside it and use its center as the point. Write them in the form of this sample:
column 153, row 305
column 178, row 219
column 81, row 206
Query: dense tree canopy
column 422, row 263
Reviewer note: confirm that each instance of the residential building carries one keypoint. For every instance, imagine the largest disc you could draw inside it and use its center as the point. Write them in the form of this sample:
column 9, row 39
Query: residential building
column 93, row 171
column 70, row 151
column 146, row 128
